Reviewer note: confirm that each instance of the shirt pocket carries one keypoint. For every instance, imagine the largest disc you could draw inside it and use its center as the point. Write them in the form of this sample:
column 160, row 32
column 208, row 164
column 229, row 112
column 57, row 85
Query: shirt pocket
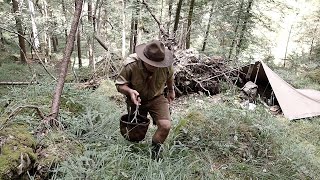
column 137, row 82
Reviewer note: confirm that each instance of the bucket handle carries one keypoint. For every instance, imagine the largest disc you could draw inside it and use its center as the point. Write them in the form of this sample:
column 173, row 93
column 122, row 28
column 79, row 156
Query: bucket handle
column 136, row 112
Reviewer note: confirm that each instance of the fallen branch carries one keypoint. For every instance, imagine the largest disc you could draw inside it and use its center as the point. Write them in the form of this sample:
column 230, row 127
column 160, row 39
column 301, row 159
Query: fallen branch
column 18, row 83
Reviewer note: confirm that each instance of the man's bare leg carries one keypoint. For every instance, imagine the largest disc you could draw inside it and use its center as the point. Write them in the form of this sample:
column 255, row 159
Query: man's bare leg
column 160, row 136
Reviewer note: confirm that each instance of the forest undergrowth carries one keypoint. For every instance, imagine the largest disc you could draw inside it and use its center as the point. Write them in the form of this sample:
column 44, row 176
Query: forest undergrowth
column 212, row 138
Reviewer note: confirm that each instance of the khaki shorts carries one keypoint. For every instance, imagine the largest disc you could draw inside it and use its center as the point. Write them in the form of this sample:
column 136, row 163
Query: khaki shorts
column 158, row 108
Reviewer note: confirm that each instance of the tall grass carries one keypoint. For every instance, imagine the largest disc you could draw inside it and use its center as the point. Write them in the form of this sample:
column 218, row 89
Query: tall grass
column 209, row 139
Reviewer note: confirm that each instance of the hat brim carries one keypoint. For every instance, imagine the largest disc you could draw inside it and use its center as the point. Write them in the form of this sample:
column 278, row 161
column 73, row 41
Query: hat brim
column 166, row 62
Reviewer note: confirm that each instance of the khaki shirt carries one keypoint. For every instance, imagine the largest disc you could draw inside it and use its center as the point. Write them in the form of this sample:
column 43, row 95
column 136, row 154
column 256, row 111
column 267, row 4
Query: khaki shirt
column 149, row 85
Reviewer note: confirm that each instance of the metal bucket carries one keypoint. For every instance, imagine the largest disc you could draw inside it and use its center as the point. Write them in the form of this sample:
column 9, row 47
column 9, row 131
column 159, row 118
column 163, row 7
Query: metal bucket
column 134, row 131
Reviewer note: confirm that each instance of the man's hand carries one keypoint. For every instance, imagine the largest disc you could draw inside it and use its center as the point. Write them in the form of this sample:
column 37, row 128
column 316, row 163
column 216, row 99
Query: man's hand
column 134, row 95
column 171, row 95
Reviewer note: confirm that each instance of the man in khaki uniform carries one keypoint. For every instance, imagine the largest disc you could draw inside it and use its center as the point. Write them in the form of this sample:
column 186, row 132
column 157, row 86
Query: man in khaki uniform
column 143, row 79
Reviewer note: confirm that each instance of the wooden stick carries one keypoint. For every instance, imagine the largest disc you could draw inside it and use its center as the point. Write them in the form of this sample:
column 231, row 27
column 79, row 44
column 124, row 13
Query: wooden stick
column 18, row 83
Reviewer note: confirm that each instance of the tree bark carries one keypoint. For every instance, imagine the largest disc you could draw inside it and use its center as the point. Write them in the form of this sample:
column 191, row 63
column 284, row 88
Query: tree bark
column 22, row 43
column 208, row 28
column 189, row 24
column 177, row 17
column 65, row 62
column 65, row 17
column 54, row 40
column 169, row 16
column 134, row 27
column 90, row 39
column 46, row 40
column 79, row 49
column 97, row 4
column 98, row 18
column 33, row 25
column 123, row 51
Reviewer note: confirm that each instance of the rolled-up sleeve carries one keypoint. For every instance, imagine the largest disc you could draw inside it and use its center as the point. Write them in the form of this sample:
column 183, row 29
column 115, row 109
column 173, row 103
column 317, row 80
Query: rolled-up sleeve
column 124, row 76
column 171, row 73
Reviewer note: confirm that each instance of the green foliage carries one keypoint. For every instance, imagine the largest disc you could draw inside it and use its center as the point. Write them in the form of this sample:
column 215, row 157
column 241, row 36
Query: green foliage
column 299, row 79
column 315, row 75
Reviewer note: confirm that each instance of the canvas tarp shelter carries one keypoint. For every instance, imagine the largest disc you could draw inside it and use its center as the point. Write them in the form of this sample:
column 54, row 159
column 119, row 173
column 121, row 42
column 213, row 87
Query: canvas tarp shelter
column 294, row 103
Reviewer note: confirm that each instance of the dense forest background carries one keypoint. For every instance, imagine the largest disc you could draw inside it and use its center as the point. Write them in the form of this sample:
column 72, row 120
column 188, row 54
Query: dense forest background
column 235, row 30
column 59, row 109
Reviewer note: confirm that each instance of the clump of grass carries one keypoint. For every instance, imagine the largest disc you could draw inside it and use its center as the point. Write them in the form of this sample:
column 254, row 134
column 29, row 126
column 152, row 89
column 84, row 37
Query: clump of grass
column 300, row 80
column 314, row 75
column 241, row 143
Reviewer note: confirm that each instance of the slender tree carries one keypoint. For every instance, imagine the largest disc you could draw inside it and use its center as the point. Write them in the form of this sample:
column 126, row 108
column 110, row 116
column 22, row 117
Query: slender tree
column 134, row 26
column 208, row 27
column 123, row 51
column 22, row 42
column 64, row 64
column 46, row 32
column 33, row 25
column 189, row 24
column 65, row 18
column 90, row 39
column 79, row 48
column 237, row 25
column 247, row 18
column 97, row 5
column 177, row 17
column 169, row 15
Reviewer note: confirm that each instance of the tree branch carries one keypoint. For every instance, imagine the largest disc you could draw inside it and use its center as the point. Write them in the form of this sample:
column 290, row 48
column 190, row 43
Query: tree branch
column 101, row 43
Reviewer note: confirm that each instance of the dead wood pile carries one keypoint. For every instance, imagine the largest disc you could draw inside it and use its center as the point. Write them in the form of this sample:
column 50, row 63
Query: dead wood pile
column 195, row 72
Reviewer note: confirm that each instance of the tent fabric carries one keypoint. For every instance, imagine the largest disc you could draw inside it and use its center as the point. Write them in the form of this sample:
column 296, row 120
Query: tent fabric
column 295, row 103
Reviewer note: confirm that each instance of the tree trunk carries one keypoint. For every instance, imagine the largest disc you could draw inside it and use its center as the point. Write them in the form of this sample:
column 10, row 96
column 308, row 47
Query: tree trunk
column 54, row 43
column 177, row 18
column 79, row 49
column 46, row 36
column 236, row 30
column 189, row 24
column 90, row 39
column 65, row 62
column 34, row 26
column 123, row 51
column 244, row 27
column 97, row 5
column 134, row 27
column 208, row 27
column 65, row 19
column 169, row 16
column 22, row 42
column 98, row 18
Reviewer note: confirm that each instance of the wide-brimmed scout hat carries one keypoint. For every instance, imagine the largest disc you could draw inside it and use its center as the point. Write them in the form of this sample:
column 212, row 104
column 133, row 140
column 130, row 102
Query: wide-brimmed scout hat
column 154, row 53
